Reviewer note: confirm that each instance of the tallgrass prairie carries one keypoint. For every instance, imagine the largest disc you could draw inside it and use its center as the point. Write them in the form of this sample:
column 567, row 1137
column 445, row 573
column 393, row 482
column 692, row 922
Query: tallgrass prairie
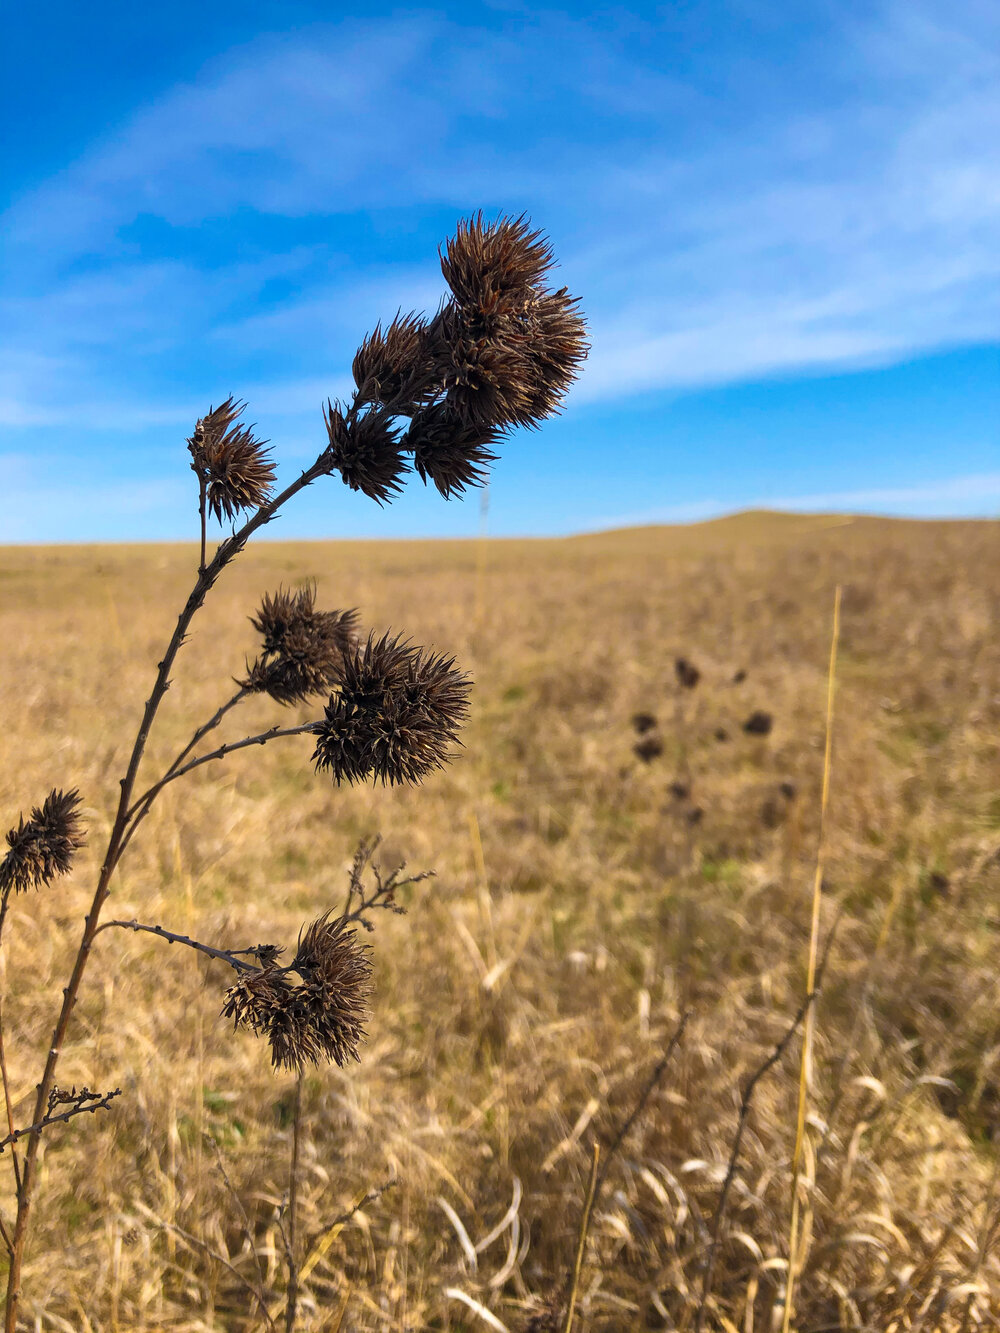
column 620, row 842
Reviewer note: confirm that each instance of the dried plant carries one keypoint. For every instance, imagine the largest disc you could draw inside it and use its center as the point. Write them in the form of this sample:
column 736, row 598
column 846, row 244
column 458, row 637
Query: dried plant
column 499, row 353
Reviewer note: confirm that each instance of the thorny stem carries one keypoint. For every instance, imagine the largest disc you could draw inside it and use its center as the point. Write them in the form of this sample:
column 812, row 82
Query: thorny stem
column 292, row 1299
column 225, row 553
column 715, row 1230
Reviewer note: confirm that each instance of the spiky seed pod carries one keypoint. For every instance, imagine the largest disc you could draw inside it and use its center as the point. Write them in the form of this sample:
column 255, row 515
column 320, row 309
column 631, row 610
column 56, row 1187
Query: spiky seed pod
column 394, row 366
column 336, row 969
column 448, row 452
column 490, row 381
column 366, row 452
column 304, row 648
column 42, row 846
column 252, row 997
column 395, row 717
column 236, row 468
column 558, row 346
column 493, row 268
column 321, row 1018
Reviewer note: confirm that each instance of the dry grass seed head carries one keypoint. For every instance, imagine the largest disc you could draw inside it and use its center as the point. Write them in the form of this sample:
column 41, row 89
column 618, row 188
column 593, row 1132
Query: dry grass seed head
column 42, row 846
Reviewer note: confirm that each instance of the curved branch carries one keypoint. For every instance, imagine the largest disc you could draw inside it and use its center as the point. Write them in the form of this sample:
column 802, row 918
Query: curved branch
column 171, row 937
column 141, row 807
column 144, row 803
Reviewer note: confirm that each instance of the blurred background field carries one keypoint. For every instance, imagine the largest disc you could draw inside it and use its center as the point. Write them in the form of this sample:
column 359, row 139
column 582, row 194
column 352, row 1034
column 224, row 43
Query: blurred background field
column 587, row 892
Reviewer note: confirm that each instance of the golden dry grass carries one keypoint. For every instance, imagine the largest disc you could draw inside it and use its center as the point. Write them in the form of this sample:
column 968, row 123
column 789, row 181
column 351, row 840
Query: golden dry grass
column 524, row 998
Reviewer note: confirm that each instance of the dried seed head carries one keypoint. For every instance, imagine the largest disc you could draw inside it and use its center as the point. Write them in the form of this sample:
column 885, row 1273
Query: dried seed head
column 322, row 1017
column 688, row 674
column 304, row 648
column 42, row 847
column 558, row 341
column 235, row 468
column 395, row 366
column 649, row 749
column 256, row 997
column 451, row 454
column 493, row 268
column 506, row 349
column 366, row 452
column 490, row 381
column 758, row 723
column 395, row 716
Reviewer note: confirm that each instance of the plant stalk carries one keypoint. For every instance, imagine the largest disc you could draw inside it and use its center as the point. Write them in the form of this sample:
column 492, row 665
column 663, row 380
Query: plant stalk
column 225, row 553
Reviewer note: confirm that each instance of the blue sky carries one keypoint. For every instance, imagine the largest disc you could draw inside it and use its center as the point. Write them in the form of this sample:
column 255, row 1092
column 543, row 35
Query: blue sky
column 783, row 221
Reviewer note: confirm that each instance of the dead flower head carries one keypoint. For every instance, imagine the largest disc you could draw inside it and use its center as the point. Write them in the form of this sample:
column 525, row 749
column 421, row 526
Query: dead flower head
column 304, row 649
column 235, row 469
column 507, row 348
column 687, row 673
column 449, row 452
column 42, row 847
column 395, row 716
column 366, row 452
column 494, row 268
column 393, row 365
column 321, row 1017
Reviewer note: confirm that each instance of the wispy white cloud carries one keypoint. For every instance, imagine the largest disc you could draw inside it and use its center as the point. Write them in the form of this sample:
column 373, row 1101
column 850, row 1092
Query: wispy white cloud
column 711, row 241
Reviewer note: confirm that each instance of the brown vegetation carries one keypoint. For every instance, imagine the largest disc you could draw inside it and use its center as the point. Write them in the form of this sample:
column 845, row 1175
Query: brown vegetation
column 583, row 900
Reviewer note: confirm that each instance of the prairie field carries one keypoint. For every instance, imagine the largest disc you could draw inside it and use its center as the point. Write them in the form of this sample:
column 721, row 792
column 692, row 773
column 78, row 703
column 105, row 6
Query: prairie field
column 599, row 874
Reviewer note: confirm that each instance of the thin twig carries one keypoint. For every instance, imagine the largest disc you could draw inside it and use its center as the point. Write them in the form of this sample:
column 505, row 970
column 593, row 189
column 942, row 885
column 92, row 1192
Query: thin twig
column 383, row 895
column 220, row 1259
column 98, row 1104
column 805, row 1066
column 581, row 1246
column 718, row 1217
column 224, row 955
column 637, row 1110
column 246, row 1231
column 291, row 1301
column 262, row 738
column 140, row 809
column 315, row 1242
